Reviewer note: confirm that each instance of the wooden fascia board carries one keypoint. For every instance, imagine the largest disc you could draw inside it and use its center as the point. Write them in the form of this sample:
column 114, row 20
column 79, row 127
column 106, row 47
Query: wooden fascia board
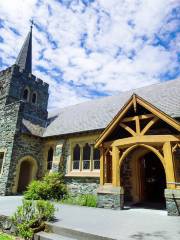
column 163, row 116
column 114, row 122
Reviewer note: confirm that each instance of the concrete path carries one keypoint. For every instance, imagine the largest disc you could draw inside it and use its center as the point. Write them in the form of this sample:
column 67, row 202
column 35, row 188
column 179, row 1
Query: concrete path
column 137, row 224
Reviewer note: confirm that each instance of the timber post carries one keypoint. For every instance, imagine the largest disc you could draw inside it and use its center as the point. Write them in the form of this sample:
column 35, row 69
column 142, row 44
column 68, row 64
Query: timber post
column 168, row 157
column 115, row 167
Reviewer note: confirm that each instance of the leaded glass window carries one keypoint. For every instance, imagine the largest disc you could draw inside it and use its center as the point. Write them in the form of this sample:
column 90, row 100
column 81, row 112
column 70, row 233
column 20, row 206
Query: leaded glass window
column 96, row 159
column 76, row 157
column 86, row 156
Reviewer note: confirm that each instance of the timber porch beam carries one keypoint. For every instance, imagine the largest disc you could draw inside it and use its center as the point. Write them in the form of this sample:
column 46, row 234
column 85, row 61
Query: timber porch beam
column 152, row 139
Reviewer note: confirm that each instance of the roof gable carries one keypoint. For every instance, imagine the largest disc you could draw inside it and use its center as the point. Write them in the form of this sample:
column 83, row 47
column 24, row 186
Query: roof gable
column 153, row 113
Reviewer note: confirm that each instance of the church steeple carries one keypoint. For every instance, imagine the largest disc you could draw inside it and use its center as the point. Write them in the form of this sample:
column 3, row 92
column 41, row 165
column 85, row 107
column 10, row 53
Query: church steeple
column 24, row 59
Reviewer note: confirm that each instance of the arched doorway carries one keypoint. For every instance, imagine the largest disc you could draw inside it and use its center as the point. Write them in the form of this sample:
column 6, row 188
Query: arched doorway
column 143, row 179
column 27, row 172
column 153, row 179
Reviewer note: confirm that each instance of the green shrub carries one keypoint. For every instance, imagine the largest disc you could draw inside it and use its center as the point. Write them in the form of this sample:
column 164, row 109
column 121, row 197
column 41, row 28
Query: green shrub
column 35, row 190
column 91, row 201
column 51, row 187
column 88, row 200
column 29, row 218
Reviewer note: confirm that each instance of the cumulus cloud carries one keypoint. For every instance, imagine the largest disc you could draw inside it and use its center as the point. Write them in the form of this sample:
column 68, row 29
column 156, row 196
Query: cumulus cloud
column 90, row 48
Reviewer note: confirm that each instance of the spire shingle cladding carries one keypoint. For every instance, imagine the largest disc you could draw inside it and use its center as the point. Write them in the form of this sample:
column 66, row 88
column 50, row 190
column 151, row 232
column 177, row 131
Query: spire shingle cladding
column 24, row 59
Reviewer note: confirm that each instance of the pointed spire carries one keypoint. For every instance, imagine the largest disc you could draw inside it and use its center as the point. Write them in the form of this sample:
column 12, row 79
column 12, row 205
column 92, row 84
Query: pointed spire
column 24, row 59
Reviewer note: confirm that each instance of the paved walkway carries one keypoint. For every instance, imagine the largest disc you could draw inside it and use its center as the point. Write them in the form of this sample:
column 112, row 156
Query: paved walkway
column 137, row 224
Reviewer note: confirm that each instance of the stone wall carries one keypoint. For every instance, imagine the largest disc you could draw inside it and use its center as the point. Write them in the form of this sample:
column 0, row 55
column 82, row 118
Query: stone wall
column 173, row 201
column 5, row 77
column 8, row 123
column 19, row 81
column 82, row 185
column 110, row 197
column 60, row 157
column 126, row 178
column 25, row 146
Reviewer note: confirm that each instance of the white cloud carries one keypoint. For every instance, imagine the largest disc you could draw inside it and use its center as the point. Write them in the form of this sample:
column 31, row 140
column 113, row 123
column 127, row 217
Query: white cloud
column 121, row 28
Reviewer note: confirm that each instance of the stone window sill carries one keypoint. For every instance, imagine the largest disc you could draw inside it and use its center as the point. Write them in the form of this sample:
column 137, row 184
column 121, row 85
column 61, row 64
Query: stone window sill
column 83, row 174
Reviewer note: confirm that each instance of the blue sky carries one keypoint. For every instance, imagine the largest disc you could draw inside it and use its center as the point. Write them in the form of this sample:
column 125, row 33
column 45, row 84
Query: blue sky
column 87, row 49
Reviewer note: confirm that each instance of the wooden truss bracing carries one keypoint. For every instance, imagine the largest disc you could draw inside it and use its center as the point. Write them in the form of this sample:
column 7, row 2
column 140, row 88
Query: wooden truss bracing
column 137, row 119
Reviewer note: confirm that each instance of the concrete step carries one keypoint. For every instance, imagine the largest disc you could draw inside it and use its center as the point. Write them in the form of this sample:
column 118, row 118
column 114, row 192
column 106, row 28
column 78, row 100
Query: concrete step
column 74, row 233
column 51, row 236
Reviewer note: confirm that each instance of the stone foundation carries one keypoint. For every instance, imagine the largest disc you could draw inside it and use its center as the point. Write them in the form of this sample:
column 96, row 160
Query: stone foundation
column 126, row 178
column 173, row 201
column 82, row 185
column 110, row 197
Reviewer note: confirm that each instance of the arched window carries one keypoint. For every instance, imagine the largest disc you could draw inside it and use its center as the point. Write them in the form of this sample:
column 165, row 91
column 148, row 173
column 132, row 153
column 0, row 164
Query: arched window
column 86, row 156
column 50, row 159
column 76, row 157
column 34, row 98
column 26, row 94
column 96, row 159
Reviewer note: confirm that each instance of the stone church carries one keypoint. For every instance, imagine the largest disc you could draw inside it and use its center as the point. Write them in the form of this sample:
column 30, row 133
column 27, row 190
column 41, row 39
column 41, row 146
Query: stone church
column 124, row 148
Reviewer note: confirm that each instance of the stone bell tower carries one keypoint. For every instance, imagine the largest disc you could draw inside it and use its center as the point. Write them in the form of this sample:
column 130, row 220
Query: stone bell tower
column 23, row 111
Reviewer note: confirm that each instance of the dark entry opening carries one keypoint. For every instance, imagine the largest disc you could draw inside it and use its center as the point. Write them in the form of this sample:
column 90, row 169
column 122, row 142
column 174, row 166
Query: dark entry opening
column 25, row 176
column 153, row 181
column 154, row 178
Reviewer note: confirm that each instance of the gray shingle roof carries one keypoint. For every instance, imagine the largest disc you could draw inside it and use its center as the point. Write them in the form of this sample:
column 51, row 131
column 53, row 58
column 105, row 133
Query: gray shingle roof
column 30, row 128
column 96, row 114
